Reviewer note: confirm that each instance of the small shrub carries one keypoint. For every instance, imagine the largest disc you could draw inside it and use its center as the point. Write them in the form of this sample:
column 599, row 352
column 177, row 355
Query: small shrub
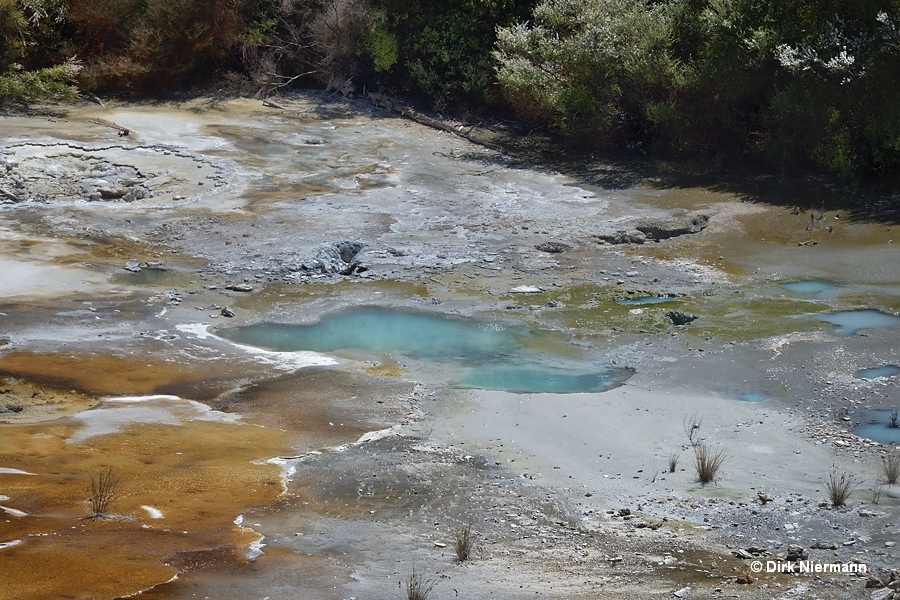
column 839, row 486
column 895, row 419
column 51, row 83
column 418, row 586
column 707, row 462
column 890, row 466
column 105, row 489
column 692, row 429
column 463, row 543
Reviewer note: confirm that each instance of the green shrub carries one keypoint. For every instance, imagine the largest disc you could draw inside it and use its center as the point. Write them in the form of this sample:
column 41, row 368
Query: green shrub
column 12, row 31
column 51, row 83
column 596, row 68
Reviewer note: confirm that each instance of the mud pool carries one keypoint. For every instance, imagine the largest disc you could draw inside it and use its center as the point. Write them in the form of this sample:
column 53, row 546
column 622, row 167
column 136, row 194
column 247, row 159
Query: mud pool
column 316, row 341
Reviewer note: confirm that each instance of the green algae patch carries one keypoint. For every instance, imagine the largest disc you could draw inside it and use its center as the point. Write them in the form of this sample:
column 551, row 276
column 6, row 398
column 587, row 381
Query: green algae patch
column 736, row 314
column 872, row 299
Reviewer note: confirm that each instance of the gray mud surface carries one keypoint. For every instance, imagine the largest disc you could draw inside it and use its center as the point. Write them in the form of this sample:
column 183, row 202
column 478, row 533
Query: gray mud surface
column 341, row 475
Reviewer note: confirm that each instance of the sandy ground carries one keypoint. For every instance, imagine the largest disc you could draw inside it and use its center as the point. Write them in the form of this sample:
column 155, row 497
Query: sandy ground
column 250, row 474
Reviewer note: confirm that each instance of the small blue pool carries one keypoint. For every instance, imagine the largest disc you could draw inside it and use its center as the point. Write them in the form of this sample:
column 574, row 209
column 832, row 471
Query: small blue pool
column 465, row 353
column 876, row 426
column 849, row 322
column 752, row 397
column 809, row 286
column 646, row 300
column 876, row 372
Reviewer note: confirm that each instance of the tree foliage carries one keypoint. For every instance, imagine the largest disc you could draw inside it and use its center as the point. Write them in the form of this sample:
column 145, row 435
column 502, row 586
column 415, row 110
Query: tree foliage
column 593, row 68
column 792, row 82
column 796, row 82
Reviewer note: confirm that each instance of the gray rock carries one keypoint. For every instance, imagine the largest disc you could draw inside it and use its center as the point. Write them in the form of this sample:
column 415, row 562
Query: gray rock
column 109, row 193
column 240, row 287
column 553, row 247
column 661, row 230
column 227, row 312
column 680, row 318
column 629, row 236
column 341, row 257
column 795, row 553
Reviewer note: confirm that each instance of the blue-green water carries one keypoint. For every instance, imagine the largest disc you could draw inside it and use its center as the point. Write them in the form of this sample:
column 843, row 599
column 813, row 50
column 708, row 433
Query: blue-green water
column 646, row 300
column 810, row 286
column 876, row 372
column 146, row 276
column 752, row 397
column 875, row 425
column 462, row 352
column 848, row 322
column 414, row 334
column 535, row 378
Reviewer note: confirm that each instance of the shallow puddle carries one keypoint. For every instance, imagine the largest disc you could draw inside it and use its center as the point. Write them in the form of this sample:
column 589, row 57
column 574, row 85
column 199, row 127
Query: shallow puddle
column 536, row 378
column 811, row 286
column 876, row 372
column 640, row 300
column 849, row 322
column 882, row 426
column 752, row 397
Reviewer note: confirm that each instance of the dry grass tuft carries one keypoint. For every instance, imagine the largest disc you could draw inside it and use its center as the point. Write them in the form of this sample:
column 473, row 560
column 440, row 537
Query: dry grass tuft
column 708, row 462
column 463, row 543
column 840, row 485
column 890, row 466
column 418, row 586
column 673, row 461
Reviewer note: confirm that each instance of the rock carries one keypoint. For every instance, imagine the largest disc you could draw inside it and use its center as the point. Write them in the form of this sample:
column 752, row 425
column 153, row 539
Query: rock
column 685, row 593
column 660, row 230
column 552, row 247
column 795, row 553
column 882, row 594
column 744, row 554
column 554, row 304
column 342, row 257
column 525, row 289
column 680, row 318
column 630, row 236
column 112, row 192
column 240, row 287
column 874, row 582
column 227, row 312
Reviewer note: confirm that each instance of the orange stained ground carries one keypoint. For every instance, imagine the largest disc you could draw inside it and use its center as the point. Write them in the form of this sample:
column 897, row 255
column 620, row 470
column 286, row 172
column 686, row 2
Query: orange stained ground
column 199, row 474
